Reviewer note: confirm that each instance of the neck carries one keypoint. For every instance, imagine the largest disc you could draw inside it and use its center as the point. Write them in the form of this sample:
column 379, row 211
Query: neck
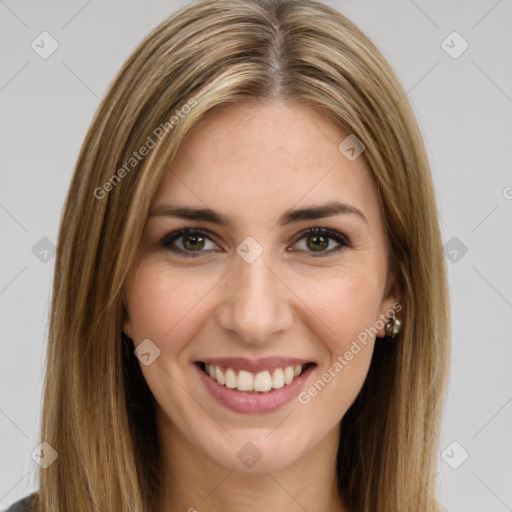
column 193, row 482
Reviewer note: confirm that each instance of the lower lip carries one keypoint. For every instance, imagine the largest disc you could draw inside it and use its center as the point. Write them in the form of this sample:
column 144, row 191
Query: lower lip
column 252, row 402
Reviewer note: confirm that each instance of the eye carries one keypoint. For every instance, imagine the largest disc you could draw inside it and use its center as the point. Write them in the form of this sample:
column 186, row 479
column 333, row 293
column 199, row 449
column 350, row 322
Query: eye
column 191, row 244
column 318, row 240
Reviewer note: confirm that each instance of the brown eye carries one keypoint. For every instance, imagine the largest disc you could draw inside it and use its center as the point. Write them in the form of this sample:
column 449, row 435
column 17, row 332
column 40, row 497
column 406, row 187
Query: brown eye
column 317, row 242
column 188, row 242
column 193, row 242
column 322, row 241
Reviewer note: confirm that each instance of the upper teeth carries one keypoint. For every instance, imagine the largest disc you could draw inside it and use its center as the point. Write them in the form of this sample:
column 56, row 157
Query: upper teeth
column 248, row 381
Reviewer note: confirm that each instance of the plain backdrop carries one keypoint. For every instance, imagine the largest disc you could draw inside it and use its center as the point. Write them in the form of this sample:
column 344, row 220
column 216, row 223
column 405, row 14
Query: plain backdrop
column 463, row 100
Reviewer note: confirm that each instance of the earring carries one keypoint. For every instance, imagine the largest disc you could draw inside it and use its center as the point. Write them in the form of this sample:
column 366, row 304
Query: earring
column 393, row 327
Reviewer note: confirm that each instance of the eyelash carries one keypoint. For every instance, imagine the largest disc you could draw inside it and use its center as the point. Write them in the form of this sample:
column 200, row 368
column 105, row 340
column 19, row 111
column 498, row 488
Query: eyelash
column 342, row 240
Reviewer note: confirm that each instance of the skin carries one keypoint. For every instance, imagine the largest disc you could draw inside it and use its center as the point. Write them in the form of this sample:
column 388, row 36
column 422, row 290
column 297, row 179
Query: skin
column 251, row 162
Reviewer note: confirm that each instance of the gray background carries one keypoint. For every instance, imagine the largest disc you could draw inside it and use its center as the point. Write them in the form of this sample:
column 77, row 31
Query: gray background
column 464, row 106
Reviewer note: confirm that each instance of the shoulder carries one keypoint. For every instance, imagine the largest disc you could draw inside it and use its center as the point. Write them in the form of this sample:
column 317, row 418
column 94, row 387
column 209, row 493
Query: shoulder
column 23, row 505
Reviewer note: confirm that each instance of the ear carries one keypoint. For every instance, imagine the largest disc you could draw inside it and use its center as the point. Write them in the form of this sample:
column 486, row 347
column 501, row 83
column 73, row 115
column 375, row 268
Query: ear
column 391, row 303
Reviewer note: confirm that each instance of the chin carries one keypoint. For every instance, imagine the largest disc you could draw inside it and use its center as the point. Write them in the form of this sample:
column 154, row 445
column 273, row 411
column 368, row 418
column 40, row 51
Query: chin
column 257, row 451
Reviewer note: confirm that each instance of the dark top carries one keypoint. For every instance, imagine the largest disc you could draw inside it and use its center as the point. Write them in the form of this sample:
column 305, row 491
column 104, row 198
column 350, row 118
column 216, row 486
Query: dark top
column 23, row 505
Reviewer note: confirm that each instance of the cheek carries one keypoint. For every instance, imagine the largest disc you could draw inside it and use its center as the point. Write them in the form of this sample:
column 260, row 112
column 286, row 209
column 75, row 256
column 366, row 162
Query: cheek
column 164, row 305
column 346, row 302
column 345, row 306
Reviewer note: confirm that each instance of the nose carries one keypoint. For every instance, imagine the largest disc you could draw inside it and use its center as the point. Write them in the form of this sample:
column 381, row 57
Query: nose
column 255, row 304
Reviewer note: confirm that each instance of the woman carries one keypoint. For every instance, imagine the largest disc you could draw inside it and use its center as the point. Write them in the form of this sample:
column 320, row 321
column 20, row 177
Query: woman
column 250, row 304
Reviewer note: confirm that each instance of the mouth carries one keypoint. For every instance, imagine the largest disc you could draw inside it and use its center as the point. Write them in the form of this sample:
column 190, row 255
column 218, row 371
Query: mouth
column 263, row 381
column 247, row 386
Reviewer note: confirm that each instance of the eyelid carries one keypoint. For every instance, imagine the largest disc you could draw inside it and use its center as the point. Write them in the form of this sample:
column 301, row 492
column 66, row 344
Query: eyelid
column 167, row 240
column 340, row 238
column 331, row 233
column 343, row 241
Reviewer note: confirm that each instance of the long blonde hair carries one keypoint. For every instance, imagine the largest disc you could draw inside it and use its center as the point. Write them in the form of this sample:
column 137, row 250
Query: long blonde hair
column 98, row 412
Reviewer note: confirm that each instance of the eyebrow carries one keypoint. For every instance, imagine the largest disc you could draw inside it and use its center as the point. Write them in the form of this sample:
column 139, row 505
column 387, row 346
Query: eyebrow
column 289, row 216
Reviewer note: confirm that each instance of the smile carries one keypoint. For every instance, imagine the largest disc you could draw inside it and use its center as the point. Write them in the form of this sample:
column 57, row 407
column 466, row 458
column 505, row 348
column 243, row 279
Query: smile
column 248, row 381
column 251, row 387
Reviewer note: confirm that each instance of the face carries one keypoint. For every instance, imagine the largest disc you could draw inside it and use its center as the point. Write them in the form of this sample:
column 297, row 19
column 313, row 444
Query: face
column 258, row 303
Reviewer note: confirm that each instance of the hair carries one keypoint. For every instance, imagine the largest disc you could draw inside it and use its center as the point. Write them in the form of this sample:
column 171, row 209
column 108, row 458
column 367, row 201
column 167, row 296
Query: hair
column 98, row 412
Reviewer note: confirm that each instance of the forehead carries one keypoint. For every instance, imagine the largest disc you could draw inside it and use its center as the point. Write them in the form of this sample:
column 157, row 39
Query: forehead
column 263, row 158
